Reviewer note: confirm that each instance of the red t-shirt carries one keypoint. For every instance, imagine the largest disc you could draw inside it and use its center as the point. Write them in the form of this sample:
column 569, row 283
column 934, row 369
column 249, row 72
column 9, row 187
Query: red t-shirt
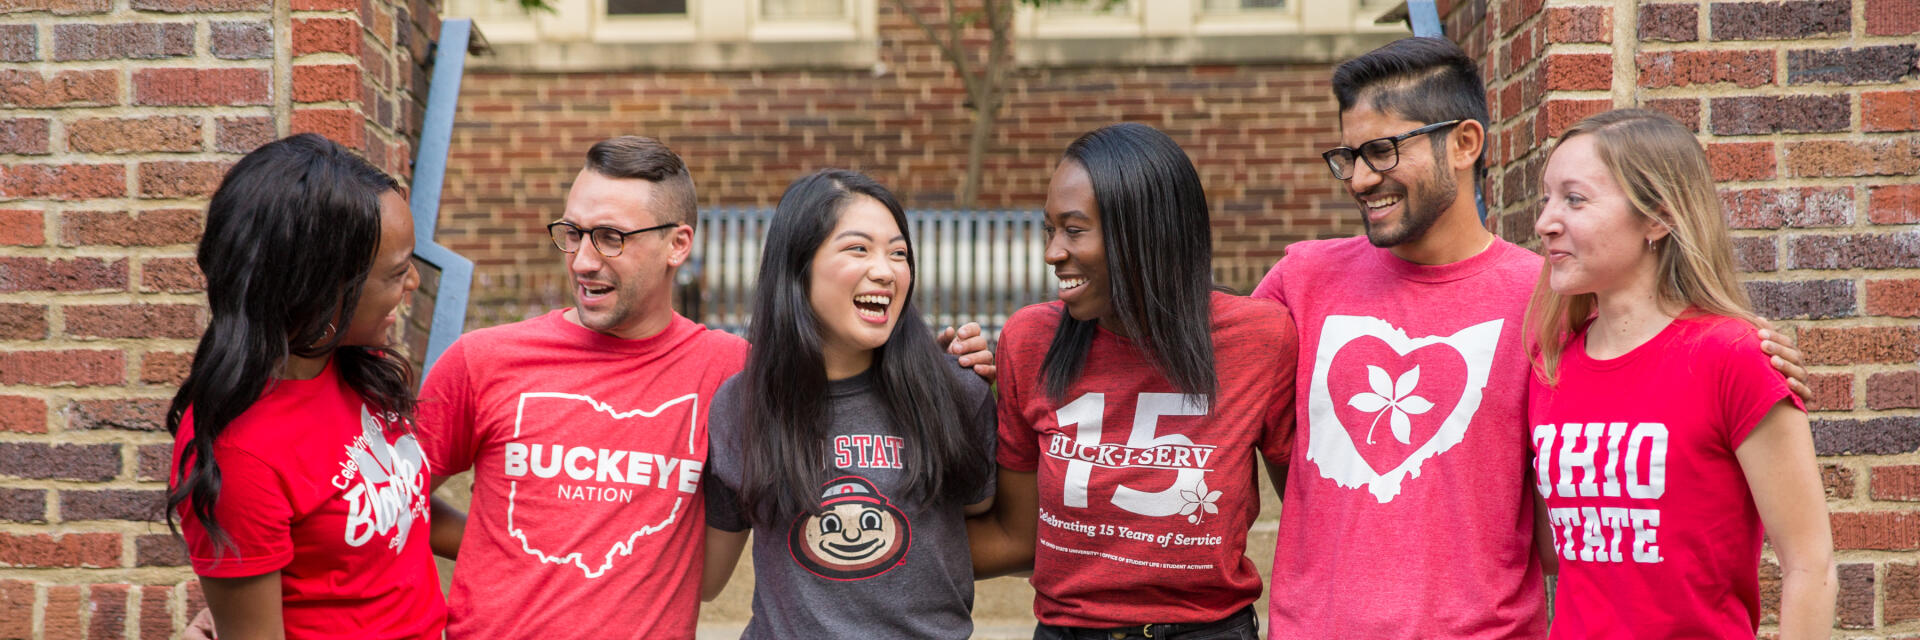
column 587, row 451
column 1652, row 519
column 1145, row 493
column 333, row 497
column 1406, row 514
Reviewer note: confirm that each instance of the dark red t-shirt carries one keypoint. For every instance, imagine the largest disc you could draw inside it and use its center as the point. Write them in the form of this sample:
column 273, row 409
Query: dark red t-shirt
column 334, row 497
column 1146, row 493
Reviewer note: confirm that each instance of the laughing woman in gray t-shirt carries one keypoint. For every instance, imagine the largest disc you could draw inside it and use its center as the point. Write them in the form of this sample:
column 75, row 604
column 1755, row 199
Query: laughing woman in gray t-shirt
column 850, row 447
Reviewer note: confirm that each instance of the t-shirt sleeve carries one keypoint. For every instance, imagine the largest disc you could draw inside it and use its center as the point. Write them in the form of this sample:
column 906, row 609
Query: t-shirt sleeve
column 1276, row 436
column 1749, row 387
column 723, row 505
column 1019, row 447
column 1269, row 287
column 444, row 415
column 723, row 459
column 255, row 512
column 983, row 422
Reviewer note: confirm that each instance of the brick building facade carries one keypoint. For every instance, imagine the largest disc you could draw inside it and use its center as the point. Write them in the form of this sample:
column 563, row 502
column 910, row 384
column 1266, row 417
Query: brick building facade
column 119, row 119
column 120, row 116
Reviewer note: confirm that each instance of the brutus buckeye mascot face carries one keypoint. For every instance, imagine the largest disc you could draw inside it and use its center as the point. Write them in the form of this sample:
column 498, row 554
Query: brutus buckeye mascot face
column 855, row 534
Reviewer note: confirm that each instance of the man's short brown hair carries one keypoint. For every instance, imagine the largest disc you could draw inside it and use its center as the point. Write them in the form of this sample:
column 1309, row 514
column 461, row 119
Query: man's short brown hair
column 649, row 159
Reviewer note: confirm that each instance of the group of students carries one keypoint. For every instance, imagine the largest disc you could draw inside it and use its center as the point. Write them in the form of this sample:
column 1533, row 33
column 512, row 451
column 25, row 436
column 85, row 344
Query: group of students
column 1447, row 416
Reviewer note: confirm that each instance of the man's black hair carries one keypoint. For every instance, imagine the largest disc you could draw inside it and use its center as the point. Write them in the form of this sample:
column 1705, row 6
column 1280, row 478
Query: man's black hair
column 1426, row 80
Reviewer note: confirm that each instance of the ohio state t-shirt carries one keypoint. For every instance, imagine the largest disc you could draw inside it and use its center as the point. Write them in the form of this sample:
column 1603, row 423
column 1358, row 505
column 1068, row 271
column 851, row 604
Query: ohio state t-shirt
column 587, row 519
column 1406, row 512
column 318, row 486
column 1656, row 530
column 1146, row 493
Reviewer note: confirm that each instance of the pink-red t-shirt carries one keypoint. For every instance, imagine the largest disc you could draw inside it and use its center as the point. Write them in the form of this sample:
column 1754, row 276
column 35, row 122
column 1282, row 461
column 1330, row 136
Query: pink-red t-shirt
column 587, row 519
column 1656, row 530
column 1145, row 493
column 318, row 486
column 1406, row 513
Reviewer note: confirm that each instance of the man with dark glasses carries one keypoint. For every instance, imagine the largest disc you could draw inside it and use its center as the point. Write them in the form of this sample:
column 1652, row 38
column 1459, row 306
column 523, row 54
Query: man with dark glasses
column 1407, row 507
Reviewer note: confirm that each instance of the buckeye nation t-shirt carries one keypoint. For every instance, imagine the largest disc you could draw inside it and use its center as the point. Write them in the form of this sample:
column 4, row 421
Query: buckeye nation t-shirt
column 1406, row 514
column 587, row 450
column 316, row 485
column 1146, row 493
column 1655, row 527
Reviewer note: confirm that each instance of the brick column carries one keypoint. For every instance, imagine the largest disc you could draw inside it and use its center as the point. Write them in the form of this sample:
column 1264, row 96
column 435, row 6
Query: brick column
column 121, row 118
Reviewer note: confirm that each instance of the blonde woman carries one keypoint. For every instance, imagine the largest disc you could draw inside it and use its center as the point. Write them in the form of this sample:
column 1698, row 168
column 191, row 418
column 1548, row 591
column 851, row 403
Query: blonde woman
column 1663, row 439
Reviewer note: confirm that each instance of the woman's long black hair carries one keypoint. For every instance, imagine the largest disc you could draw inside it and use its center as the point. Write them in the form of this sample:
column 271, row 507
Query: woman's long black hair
column 784, row 387
column 291, row 236
column 1155, row 228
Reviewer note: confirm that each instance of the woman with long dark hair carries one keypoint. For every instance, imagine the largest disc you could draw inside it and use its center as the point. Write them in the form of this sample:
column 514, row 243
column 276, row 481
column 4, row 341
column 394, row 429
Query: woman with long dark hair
column 850, row 446
column 300, row 491
column 1664, row 442
column 1132, row 408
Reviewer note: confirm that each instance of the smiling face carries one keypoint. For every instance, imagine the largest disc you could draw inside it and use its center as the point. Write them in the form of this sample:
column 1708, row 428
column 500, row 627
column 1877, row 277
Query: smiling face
column 390, row 281
column 860, row 278
column 1399, row 205
column 1075, row 248
column 629, row 295
column 1595, row 241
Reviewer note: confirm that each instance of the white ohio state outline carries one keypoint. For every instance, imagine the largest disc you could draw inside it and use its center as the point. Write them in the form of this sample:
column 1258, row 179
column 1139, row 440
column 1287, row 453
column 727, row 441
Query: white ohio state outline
column 622, row 548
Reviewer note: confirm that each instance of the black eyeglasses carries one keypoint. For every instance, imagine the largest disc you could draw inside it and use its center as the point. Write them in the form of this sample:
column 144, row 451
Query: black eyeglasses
column 1381, row 154
column 606, row 240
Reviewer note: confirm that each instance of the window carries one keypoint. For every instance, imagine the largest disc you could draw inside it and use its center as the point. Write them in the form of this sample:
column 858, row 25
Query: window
column 603, row 35
column 646, row 7
column 1239, row 6
column 1108, row 32
column 772, row 10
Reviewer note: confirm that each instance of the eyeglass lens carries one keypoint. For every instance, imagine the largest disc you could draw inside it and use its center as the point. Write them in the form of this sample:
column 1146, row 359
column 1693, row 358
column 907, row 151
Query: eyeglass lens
column 605, row 240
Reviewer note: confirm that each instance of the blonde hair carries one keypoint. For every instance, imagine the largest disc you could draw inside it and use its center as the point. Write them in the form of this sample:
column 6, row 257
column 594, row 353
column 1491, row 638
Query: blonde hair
column 1664, row 172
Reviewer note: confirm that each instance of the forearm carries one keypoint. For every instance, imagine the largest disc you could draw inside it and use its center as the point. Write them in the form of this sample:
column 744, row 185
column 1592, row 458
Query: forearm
column 1806, row 602
column 996, row 550
column 449, row 525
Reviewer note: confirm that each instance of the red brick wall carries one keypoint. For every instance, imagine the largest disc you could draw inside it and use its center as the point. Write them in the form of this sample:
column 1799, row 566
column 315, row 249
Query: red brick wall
column 1808, row 111
column 120, row 118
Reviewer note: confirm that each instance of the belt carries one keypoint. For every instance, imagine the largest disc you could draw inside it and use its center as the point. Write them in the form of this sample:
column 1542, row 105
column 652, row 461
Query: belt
column 1160, row 630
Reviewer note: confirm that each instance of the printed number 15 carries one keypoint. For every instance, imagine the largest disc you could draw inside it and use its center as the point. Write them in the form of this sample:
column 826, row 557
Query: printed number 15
column 1086, row 413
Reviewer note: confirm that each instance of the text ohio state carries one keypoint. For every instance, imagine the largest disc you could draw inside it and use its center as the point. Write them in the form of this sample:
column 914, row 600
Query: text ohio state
column 1603, row 460
column 588, row 464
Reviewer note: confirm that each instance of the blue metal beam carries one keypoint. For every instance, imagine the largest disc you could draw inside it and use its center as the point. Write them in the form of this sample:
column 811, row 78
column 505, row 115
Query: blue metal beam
column 429, row 177
column 1425, row 18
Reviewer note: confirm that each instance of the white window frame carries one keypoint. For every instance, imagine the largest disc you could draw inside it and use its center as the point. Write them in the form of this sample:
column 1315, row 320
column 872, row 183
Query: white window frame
column 1181, row 31
column 707, row 37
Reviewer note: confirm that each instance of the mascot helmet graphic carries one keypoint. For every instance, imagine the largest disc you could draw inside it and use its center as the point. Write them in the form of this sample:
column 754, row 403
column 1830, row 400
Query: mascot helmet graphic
column 856, row 533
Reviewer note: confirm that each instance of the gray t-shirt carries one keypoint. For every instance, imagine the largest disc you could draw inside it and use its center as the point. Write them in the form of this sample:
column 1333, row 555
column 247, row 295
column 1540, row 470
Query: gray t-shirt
column 869, row 566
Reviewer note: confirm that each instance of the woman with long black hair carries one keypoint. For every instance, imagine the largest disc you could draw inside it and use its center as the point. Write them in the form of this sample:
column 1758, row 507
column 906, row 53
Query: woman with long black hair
column 1132, row 408
column 849, row 446
column 301, row 493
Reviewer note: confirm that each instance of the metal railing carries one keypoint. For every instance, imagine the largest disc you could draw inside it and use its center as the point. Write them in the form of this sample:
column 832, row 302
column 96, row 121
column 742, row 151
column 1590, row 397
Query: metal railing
column 974, row 266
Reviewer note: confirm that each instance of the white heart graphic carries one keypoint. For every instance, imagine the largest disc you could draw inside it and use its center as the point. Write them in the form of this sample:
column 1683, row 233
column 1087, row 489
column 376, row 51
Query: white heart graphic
column 1330, row 445
column 624, row 547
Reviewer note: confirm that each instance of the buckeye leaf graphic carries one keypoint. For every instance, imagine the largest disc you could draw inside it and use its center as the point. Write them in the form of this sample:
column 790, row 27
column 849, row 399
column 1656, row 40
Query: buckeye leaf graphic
column 1392, row 399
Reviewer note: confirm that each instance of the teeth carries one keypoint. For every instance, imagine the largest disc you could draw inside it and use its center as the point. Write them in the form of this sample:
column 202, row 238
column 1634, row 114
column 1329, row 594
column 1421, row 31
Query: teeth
column 1382, row 202
column 1071, row 283
column 873, row 299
